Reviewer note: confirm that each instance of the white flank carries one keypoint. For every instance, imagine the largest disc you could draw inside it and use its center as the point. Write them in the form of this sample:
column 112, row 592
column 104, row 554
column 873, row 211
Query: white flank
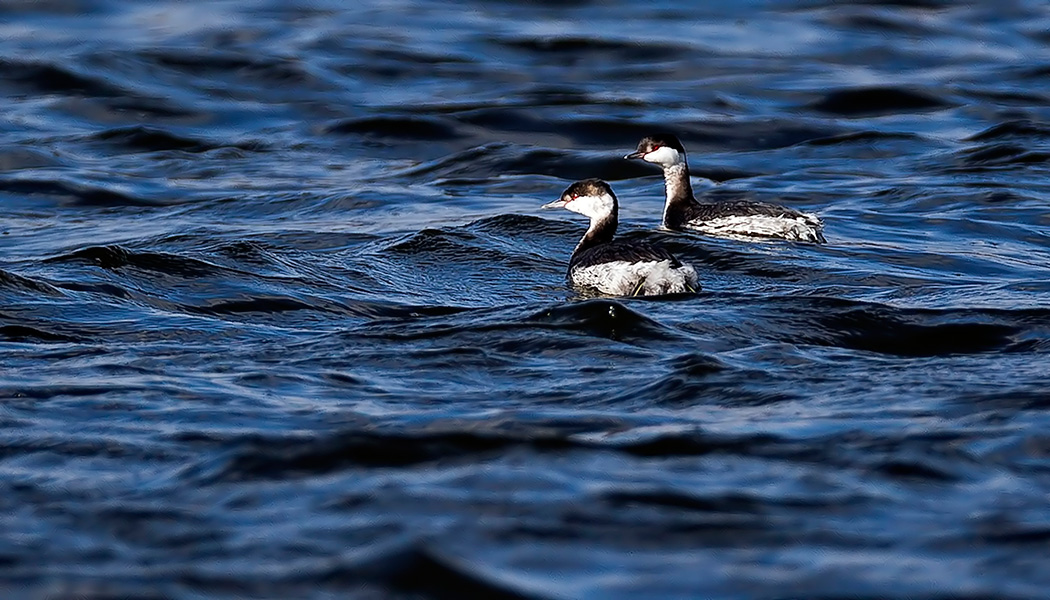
column 622, row 278
column 805, row 228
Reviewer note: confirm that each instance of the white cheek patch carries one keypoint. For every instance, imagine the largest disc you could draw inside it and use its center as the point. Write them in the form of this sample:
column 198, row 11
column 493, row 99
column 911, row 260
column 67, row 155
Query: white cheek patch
column 665, row 155
column 591, row 206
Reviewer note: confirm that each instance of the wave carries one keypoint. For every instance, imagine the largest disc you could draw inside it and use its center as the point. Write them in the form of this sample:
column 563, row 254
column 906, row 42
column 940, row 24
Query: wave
column 78, row 193
column 141, row 138
column 878, row 101
column 116, row 257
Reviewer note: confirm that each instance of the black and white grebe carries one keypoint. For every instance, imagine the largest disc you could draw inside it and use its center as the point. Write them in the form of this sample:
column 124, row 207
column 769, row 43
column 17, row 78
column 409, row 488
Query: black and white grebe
column 618, row 268
column 734, row 218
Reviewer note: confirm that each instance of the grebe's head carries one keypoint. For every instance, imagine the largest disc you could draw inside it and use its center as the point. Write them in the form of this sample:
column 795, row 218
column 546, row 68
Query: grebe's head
column 662, row 149
column 591, row 198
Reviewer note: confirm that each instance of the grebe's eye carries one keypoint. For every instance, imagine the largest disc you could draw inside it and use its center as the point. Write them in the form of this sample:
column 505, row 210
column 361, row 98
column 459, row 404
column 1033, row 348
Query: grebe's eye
column 575, row 196
column 656, row 147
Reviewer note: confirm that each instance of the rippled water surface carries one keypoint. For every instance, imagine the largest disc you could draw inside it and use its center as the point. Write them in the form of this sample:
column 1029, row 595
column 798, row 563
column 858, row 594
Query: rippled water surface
column 280, row 316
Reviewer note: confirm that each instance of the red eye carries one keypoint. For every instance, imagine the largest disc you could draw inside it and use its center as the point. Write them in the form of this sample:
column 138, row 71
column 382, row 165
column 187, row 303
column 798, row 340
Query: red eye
column 575, row 196
column 656, row 147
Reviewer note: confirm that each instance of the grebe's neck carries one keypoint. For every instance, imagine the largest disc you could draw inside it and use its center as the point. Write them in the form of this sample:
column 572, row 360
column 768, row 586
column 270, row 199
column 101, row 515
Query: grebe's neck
column 679, row 190
column 601, row 231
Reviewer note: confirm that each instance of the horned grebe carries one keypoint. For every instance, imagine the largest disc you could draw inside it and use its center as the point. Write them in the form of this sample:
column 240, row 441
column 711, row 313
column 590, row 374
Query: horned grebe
column 734, row 218
column 618, row 268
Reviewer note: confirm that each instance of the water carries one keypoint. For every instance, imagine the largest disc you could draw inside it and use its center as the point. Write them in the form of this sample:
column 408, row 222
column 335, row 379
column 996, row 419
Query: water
column 281, row 317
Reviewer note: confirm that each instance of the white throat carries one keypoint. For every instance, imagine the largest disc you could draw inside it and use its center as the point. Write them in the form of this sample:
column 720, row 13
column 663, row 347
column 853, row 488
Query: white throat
column 676, row 187
column 676, row 178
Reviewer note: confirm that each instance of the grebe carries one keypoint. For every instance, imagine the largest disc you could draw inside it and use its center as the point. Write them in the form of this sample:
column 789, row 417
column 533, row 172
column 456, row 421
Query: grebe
column 618, row 268
column 733, row 218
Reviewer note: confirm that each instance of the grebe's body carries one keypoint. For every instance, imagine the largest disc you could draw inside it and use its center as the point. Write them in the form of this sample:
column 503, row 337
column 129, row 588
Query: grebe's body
column 618, row 268
column 736, row 218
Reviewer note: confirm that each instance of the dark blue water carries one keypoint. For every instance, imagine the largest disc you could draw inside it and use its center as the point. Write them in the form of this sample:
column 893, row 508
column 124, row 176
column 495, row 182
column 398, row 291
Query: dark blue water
column 280, row 316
